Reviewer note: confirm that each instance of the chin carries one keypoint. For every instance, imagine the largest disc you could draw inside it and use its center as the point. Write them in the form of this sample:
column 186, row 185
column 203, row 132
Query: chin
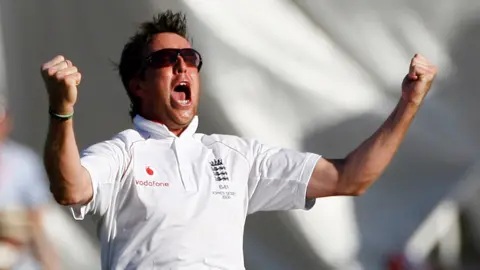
column 183, row 119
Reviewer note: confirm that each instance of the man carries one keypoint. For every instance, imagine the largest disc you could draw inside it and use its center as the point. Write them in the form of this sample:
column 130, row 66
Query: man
column 169, row 198
column 23, row 197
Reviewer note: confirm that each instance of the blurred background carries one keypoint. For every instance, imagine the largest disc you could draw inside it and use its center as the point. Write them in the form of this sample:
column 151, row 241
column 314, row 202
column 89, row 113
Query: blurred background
column 314, row 75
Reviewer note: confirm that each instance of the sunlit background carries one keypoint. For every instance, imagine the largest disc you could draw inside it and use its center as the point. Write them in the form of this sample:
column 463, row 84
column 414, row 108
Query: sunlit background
column 313, row 75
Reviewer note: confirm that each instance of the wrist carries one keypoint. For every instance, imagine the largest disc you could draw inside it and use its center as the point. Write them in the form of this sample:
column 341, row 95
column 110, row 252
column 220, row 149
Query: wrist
column 63, row 114
column 61, row 109
column 410, row 103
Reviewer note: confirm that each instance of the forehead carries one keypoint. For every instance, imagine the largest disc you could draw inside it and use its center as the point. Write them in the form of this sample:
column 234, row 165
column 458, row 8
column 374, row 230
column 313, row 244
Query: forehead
column 168, row 40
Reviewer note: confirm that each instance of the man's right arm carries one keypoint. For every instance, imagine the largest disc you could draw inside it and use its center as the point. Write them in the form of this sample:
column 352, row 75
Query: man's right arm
column 70, row 182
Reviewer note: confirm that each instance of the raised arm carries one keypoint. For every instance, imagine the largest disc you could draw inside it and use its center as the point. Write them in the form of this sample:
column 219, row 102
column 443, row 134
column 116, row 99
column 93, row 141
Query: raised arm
column 355, row 173
column 70, row 183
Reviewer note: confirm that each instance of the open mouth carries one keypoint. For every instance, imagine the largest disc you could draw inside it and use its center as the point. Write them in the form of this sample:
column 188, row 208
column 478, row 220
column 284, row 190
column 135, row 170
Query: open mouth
column 182, row 94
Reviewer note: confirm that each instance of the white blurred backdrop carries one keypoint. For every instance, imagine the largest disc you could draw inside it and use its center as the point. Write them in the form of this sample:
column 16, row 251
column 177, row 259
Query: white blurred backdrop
column 318, row 76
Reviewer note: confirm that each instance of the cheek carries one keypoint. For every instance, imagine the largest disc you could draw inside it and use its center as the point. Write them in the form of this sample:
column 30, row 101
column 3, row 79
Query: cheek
column 195, row 79
column 159, row 84
column 159, row 77
column 163, row 78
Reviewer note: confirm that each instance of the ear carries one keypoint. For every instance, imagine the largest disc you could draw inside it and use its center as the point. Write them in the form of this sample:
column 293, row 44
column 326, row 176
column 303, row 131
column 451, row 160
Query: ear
column 136, row 87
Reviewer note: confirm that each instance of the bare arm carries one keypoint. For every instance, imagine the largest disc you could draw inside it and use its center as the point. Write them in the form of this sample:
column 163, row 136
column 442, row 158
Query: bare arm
column 70, row 183
column 355, row 173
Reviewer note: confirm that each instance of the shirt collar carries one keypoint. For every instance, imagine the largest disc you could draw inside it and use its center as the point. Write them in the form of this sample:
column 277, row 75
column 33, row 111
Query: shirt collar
column 159, row 131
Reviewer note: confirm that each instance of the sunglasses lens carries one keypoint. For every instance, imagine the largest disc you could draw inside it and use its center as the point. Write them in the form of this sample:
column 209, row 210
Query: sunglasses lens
column 191, row 57
column 168, row 57
column 164, row 58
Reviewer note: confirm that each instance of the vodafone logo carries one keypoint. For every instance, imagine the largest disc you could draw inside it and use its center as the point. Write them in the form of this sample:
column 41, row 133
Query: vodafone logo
column 151, row 183
column 150, row 171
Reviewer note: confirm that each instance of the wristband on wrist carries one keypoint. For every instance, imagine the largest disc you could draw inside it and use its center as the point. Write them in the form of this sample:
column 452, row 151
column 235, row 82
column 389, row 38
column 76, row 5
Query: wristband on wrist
column 60, row 116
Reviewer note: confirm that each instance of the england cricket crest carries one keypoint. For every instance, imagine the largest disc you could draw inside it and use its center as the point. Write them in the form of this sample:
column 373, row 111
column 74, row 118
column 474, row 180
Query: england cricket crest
column 219, row 170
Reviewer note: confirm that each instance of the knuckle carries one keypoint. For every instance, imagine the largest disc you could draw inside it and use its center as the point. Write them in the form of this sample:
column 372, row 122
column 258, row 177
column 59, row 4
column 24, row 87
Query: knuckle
column 59, row 76
column 51, row 71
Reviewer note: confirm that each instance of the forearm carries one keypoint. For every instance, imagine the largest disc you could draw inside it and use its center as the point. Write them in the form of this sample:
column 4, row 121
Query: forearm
column 355, row 173
column 69, row 181
column 366, row 163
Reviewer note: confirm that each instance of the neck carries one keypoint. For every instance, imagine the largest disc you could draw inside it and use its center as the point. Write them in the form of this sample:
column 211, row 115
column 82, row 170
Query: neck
column 176, row 131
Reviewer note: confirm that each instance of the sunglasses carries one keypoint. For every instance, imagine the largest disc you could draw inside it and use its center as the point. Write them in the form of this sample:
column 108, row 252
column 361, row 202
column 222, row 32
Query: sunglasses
column 169, row 57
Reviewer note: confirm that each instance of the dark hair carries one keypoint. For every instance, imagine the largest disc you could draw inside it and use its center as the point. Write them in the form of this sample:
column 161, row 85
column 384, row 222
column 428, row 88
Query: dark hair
column 134, row 52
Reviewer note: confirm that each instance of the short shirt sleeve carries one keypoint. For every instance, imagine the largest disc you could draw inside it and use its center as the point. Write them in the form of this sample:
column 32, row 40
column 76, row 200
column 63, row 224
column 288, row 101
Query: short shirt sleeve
column 106, row 162
column 279, row 178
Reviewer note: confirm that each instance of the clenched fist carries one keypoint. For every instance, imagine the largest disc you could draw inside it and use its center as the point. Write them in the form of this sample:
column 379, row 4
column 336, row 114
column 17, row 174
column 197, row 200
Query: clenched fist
column 61, row 78
column 419, row 79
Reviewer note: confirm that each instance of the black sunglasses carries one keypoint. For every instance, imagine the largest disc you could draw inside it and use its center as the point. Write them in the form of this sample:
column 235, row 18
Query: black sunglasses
column 169, row 57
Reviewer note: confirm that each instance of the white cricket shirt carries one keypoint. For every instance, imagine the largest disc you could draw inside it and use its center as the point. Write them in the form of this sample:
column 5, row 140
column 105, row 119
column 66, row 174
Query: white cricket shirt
column 168, row 202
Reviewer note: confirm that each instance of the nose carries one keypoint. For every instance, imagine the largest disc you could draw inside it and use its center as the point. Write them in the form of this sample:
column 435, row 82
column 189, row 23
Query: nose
column 180, row 66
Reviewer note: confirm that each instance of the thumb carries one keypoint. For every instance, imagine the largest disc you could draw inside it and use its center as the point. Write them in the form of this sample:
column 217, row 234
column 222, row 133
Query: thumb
column 412, row 73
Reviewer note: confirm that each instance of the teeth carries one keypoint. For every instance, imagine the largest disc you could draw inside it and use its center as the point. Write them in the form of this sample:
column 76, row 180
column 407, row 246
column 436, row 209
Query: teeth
column 183, row 102
column 183, row 84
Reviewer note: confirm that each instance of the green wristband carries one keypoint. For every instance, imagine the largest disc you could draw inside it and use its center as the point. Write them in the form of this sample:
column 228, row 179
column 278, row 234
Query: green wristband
column 60, row 116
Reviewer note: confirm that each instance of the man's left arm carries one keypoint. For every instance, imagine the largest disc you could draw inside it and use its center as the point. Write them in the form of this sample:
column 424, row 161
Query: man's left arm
column 355, row 173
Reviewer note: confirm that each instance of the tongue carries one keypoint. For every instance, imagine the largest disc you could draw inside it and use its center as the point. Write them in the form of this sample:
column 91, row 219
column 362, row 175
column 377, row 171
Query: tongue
column 179, row 95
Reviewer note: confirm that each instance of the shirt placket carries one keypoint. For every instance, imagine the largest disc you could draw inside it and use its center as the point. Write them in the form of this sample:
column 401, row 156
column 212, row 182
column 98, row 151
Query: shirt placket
column 184, row 167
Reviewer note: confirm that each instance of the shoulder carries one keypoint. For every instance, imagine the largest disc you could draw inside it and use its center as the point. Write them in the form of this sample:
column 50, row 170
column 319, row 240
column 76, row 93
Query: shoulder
column 227, row 140
column 120, row 142
column 247, row 147
column 128, row 137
